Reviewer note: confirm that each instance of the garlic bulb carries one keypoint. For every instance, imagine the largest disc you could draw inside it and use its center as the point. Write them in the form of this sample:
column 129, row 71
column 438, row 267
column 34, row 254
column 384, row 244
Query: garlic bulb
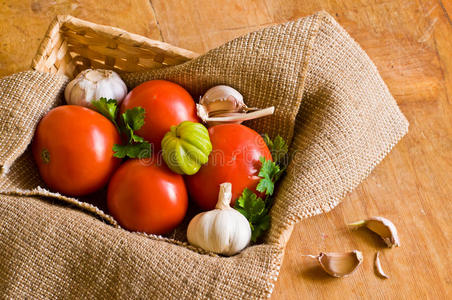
column 91, row 85
column 224, row 104
column 223, row 230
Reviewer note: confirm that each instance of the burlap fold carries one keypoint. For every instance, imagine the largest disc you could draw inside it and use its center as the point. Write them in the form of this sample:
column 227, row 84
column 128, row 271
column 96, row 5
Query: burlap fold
column 19, row 112
column 330, row 103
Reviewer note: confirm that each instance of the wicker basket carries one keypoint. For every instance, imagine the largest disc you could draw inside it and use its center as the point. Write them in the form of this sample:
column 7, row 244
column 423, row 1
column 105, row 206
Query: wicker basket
column 72, row 45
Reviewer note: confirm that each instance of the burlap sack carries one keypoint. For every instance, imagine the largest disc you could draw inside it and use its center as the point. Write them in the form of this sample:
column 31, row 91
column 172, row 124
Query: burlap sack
column 330, row 103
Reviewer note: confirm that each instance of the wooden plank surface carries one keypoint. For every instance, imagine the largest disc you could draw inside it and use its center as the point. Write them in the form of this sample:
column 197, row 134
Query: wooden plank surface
column 411, row 44
column 24, row 23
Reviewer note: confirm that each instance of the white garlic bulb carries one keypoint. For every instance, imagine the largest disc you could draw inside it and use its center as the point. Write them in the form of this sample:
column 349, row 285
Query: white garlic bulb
column 90, row 85
column 223, row 230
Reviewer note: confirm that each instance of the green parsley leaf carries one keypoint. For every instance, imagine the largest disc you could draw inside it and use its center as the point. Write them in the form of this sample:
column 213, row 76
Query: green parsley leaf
column 251, row 204
column 107, row 108
column 278, row 148
column 269, row 172
column 133, row 119
column 137, row 150
column 260, row 227
column 253, row 208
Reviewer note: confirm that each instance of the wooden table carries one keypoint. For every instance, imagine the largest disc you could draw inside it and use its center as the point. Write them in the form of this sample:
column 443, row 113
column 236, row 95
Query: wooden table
column 411, row 44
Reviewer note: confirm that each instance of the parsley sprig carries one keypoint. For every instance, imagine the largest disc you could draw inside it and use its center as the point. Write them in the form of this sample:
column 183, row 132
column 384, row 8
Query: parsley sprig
column 130, row 121
column 270, row 173
column 278, row 148
column 254, row 208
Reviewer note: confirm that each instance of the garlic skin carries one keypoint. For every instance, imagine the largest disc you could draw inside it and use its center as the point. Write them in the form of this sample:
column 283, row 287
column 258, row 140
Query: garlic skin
column 223, row 230
column 90, row 85
column 381, row 226
column 339, row 264
column 223, row 104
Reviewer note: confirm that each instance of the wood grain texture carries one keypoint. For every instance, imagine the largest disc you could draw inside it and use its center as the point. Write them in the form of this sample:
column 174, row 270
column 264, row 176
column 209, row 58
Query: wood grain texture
column 411, row 44
column 24, row 23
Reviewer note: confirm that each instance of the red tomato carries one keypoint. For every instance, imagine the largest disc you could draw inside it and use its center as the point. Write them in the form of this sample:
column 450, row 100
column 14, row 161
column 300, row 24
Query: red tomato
column 72, row 147
column 147, row 197
column 166, row 104
column 234, row 158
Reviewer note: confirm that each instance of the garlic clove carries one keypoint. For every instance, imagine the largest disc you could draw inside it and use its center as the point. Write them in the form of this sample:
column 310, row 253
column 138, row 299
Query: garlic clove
column 378, row 268
column 240, row 117
column 223, row 104
column 202, row 112
column 339, row 264
column 237, row 118
column 381, row 226
column 222, row 97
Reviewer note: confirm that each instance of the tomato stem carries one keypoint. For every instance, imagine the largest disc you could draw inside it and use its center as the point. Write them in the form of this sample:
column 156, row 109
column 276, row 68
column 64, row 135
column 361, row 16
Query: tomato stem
column 45, row 156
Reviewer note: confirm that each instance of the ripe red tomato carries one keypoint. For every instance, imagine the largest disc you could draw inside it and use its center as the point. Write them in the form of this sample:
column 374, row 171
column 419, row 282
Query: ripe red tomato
column 147, row 196
column 72, row 147
column 166, row 104
column 234, row 158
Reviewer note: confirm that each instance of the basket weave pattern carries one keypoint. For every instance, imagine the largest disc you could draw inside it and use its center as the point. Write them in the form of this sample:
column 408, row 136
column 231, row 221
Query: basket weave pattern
column 72, row 45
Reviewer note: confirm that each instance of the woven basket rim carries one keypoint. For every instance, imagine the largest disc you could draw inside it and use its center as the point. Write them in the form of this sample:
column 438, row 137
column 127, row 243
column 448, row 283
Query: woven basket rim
column 60, row 20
